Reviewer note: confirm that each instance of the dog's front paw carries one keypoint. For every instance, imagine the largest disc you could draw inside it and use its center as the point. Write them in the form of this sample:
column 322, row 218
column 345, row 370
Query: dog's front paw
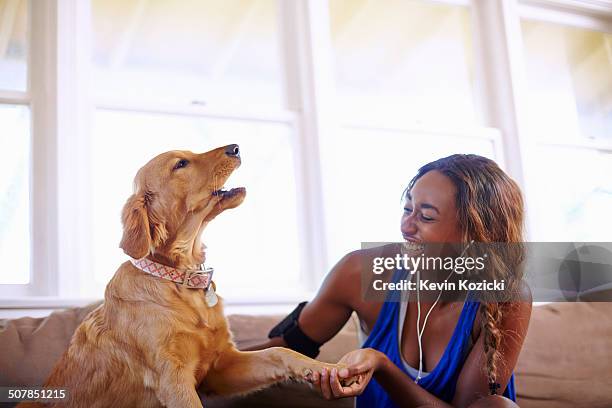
column 347, row 382
column 308, row 376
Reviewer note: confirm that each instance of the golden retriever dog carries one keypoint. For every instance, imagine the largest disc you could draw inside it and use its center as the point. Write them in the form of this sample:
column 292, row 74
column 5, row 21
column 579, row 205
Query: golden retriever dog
column 154, row 341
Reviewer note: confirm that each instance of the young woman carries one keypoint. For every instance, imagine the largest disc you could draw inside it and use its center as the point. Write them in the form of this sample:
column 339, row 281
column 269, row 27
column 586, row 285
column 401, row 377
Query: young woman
column 469, row 348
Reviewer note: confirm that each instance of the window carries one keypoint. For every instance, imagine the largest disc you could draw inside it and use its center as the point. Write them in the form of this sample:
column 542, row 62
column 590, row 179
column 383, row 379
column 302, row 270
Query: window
column 569, row 85
column 335, row 105
column 195, row 75
column 574, row 194
column 403, row 60
column 196, row 52
column 15, row 194
column 14, row 143
column 13, row 45
column 569, row 79
column 403, row 71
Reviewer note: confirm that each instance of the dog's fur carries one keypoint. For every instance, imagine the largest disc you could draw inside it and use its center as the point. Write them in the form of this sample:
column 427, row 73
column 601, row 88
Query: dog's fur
column 153, row 341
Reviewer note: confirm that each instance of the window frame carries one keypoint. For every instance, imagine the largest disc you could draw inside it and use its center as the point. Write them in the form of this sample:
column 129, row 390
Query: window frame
column 59, row 96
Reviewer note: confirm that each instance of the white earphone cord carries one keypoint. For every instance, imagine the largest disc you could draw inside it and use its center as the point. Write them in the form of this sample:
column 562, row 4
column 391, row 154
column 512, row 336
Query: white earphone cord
column 419, row 330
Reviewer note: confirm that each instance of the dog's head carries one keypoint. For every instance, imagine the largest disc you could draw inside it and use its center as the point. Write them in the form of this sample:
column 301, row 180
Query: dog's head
column 175, row 195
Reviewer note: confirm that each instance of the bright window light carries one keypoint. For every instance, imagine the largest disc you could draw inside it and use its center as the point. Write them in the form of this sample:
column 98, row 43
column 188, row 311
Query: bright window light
column 15, row 194
column 13, row 44
column 188, row 52
column 403, row 59
column 569, row 79
column 573, row 195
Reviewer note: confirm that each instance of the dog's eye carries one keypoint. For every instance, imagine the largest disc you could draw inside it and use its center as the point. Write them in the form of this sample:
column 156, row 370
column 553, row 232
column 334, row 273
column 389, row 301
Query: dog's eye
column 180, row 164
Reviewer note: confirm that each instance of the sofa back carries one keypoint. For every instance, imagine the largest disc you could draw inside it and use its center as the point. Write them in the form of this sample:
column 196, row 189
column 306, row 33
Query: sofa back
column 566, row 360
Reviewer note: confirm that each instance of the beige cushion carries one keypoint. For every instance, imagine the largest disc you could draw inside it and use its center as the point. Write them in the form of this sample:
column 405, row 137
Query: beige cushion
column 566, row 360
column 31, row 346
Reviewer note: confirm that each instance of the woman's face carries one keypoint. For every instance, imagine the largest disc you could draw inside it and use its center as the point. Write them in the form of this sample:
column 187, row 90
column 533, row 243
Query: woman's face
column 430, row 213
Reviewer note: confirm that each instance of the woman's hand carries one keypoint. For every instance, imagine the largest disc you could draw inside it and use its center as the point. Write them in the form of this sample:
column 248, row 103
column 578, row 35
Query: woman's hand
column 360, row 365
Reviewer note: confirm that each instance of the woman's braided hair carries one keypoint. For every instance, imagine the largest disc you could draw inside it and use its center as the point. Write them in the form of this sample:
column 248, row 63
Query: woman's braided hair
column 490, row 210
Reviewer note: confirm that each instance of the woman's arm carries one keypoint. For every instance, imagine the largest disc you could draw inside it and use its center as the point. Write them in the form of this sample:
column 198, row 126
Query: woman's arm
column 327, row 313
column 472, row 382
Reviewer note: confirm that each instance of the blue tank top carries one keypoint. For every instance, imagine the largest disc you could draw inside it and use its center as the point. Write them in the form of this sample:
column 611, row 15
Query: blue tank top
column 442, row 380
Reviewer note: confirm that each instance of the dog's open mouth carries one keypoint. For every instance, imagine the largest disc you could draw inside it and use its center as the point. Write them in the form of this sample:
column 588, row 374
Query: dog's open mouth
column 228, row 193
column 227, row 198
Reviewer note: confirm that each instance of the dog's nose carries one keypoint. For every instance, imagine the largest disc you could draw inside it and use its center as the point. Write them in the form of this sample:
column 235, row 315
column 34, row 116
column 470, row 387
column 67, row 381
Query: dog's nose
column 232, row 150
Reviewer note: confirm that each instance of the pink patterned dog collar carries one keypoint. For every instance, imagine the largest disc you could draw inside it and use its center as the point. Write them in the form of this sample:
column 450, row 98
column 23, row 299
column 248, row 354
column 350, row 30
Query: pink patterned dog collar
column 193, row 278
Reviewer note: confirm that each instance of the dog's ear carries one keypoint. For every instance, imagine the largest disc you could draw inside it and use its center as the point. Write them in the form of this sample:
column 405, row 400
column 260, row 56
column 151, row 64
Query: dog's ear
column 136, row 240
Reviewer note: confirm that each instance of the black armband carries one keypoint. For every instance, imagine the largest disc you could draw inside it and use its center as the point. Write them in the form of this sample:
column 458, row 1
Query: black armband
column 296, row 339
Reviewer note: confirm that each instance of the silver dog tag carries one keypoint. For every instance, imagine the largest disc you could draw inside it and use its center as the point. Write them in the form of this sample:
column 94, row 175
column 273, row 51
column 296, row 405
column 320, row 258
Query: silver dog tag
column 211, row 296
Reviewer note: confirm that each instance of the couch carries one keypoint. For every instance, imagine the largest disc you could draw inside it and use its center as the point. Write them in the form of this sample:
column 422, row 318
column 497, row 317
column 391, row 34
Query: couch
column 566, row 360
